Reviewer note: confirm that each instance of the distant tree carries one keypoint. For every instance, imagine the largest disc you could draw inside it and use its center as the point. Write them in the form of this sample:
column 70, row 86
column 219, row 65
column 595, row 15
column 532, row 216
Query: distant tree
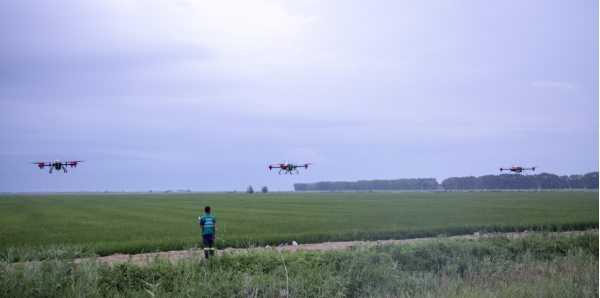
column 512, row 181
column 489, row 182
column 590, row 180
column 300, row 186
column 575, row 181
column 265, row 189
column 548, row 181
column 398, row 184
column 564, row 182
column 250, row 189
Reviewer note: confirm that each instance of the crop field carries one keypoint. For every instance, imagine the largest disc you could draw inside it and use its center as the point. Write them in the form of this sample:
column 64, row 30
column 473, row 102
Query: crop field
column 105, row 224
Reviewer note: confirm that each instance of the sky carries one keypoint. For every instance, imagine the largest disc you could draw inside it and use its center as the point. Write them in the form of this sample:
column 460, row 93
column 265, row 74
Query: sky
column 205, row 95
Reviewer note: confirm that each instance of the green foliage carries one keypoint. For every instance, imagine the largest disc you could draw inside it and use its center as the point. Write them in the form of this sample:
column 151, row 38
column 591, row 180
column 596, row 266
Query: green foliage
column 69, row 226
column 540, row 266
column 523, row 181
column 362, row 185
column 250, row 189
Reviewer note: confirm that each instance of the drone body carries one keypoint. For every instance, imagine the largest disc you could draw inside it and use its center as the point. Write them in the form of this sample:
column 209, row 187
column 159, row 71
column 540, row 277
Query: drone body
column 57, row 165
column 517, row 169
column 288, row 167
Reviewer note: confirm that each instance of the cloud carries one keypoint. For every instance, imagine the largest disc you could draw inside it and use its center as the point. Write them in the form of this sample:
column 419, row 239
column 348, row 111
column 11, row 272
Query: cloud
column 246, row 34
column 554, row 85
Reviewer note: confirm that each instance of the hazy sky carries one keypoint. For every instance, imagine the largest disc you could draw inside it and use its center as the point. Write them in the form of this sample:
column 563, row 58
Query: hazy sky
column 206, row 94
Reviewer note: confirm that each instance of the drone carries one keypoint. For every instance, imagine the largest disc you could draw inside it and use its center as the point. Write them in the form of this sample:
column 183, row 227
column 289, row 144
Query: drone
column 57, row 165
column 517, row 169
column 288, row 167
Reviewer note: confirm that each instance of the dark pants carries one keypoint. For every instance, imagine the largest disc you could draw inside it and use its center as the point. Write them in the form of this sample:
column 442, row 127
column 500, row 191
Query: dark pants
column 209, row 246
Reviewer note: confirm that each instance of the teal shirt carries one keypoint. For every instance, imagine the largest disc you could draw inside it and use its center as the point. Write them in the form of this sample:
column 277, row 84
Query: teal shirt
column 208, row 221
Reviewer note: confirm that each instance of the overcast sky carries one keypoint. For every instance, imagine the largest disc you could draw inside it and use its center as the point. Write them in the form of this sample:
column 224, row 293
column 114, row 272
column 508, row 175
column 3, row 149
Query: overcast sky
column 204, row 95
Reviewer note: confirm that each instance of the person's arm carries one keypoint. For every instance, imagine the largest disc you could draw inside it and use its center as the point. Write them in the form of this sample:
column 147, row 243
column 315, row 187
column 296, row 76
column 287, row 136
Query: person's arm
column 201, row 224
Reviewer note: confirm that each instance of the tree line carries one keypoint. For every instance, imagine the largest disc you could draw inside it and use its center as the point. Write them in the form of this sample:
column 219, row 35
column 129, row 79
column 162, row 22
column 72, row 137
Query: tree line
column 513, row 181
column 398, row 184
column 490, row 182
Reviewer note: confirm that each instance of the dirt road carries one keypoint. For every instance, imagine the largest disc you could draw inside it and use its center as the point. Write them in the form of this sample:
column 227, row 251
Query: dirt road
column 176, row 255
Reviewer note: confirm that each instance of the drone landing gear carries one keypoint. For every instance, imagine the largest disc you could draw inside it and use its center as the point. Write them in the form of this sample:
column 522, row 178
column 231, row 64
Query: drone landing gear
column 64, row 169
column 50, row 170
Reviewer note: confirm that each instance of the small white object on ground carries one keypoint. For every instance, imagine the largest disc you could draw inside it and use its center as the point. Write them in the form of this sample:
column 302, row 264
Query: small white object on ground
column 280, row 245
column 525, row 232
column 294, row 243
column 267, row 246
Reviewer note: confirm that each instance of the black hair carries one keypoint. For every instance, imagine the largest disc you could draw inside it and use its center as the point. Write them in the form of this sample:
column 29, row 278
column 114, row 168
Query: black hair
column 207, row 209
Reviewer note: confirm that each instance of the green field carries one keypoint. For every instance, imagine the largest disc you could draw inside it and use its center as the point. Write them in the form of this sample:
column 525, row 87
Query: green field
column 129, row 223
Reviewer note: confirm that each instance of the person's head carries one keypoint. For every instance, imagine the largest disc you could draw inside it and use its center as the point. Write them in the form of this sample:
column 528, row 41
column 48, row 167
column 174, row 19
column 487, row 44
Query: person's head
column 207, row 209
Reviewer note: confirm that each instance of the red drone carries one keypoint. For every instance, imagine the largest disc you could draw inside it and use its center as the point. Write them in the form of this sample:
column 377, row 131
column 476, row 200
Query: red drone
column 517, row 169
column 57, row 165
column 288, row 167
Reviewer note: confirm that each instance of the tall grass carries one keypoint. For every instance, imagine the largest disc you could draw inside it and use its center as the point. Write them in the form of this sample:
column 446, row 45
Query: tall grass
column 33, row 225
column 534, row 266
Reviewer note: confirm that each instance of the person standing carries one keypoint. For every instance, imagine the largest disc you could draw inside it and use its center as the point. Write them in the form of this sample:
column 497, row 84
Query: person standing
column 207, row 223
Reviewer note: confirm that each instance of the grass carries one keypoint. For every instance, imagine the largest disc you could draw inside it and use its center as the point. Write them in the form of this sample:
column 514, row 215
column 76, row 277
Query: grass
column 533, row 266
column 71, row 225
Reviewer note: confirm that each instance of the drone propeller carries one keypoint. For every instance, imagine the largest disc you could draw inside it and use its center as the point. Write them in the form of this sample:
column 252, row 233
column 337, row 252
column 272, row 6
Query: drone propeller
column 73, row 163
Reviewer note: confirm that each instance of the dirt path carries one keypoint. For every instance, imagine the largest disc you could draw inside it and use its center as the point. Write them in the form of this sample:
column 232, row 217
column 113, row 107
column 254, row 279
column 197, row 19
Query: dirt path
column 176, row 255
